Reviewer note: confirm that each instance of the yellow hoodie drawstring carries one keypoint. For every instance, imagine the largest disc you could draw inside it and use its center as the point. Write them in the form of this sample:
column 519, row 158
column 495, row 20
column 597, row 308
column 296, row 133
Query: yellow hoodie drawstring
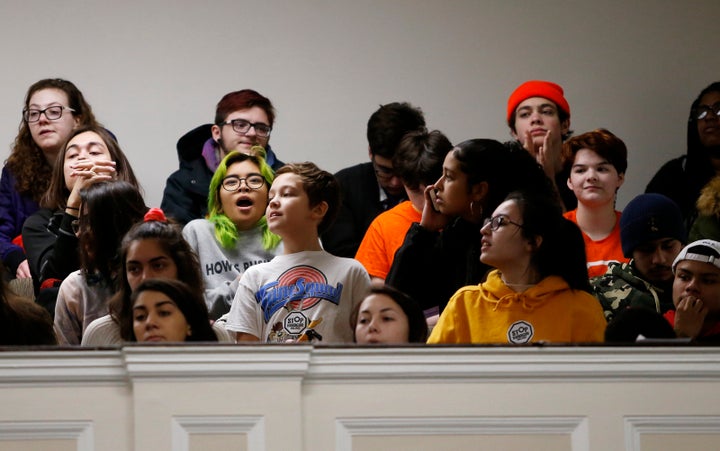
column 510, row 298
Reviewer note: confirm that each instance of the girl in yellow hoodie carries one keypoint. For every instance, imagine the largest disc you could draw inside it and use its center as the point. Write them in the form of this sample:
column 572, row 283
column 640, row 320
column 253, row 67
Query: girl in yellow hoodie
column 539, row 291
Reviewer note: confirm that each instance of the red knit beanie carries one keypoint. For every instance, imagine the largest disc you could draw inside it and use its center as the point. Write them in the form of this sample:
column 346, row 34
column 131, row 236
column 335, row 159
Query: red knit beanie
column 537, row 88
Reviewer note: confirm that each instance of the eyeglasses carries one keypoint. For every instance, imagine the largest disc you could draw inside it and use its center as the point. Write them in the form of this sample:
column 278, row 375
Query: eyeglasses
column 232, row 183
column 52, row 113
column 243, row 126
column 383, row 172
column 702, row 111
column 499, row 221
column 75, row 225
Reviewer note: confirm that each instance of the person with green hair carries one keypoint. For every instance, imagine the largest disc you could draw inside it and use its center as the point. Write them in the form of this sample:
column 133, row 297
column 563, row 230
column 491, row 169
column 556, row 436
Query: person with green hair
column 235, row 235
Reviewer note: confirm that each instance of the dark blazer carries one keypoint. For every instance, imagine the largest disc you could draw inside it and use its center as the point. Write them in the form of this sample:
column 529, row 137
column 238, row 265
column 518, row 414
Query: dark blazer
column 360, row 205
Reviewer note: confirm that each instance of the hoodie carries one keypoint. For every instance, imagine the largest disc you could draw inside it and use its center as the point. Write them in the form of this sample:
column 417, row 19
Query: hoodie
column 707, row 223
column 186, row 190
column 494, row 313
column 619, row 288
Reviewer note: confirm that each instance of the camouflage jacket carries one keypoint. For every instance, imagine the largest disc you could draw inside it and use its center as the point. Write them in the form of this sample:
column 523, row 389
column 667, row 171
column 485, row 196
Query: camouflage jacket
column 620, row 288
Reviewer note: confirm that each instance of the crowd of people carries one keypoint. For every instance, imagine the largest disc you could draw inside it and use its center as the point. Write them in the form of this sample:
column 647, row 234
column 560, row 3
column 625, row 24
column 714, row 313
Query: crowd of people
column 428, row 242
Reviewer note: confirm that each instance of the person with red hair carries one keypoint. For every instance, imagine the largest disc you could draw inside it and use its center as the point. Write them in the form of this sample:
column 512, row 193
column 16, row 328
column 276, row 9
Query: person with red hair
column 597, row 161
column 243, row 119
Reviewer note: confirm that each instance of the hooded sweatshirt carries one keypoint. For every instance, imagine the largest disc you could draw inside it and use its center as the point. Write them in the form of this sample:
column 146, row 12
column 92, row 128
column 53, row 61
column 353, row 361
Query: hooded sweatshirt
column 707, row 224
column 620, row 288
column 493, row 313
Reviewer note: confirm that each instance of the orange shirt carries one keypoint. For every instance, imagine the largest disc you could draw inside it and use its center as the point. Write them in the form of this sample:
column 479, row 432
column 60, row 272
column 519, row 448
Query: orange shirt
column 384, row 237
column 600, row 253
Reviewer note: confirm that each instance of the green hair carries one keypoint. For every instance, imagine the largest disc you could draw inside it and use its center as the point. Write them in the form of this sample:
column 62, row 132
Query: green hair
column 226, row 233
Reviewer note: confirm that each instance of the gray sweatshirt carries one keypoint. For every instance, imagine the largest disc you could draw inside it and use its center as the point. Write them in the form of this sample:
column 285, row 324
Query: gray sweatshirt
column 222, row 268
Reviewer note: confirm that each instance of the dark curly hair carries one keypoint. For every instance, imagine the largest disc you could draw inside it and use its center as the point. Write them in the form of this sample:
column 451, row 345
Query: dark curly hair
column 26, row 161
column 169, row 237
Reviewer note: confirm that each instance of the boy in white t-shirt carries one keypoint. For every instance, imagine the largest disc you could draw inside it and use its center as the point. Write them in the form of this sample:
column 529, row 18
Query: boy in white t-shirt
column 305, row 294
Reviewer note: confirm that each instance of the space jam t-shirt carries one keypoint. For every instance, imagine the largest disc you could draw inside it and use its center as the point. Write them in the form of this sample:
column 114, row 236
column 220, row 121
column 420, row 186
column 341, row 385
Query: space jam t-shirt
column 280, row 300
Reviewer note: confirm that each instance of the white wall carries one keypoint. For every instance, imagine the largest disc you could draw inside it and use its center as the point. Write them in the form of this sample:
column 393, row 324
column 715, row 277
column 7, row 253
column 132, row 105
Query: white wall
column 154, row 69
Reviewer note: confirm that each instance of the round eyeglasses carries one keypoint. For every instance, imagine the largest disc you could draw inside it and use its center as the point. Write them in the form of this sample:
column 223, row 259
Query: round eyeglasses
column 52, row 113
column 499, row 221
column 242, row 126
column 233, row 183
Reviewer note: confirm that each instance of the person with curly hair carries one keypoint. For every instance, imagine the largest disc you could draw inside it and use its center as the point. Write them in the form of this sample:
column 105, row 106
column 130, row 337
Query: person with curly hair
column 53, row 108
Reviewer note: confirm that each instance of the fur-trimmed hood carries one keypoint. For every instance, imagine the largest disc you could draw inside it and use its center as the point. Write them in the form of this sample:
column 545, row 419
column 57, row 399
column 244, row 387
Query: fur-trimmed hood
column 708, row 204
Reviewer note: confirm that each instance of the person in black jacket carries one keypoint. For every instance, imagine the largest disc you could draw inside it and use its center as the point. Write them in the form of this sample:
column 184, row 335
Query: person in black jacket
column 682, row 178
column 91, row 155
column 442, row 253
column 243, row 119
column 368, row 189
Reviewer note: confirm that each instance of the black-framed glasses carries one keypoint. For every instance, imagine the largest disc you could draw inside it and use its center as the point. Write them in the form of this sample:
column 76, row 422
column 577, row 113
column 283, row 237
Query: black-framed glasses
column 499, row 221
column 52, row 113
column 243, row 126
column 703, row 111
column 383, row 172
column 233, row 183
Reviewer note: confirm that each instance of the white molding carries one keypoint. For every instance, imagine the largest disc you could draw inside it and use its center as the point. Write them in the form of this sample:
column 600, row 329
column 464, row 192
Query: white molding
column 636, row 426
column 217, row 361
column 62, row 367
column 184, row 426
column 350, row 364
column 523, row 364
column 576, row 427
column 81, row 431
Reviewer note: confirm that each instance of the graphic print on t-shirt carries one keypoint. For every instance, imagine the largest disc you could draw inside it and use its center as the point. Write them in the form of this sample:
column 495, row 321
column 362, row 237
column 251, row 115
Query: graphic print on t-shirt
column 299, row 288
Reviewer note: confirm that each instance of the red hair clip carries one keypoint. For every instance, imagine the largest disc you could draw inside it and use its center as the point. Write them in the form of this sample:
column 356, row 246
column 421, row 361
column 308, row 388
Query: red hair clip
column 155, row 214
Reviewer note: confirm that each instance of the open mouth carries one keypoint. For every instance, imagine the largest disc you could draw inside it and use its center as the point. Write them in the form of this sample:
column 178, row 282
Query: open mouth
column 244, row 202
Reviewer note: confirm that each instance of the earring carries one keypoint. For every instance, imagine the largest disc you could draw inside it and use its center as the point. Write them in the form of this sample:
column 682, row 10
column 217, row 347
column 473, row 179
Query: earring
column 472, row 211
